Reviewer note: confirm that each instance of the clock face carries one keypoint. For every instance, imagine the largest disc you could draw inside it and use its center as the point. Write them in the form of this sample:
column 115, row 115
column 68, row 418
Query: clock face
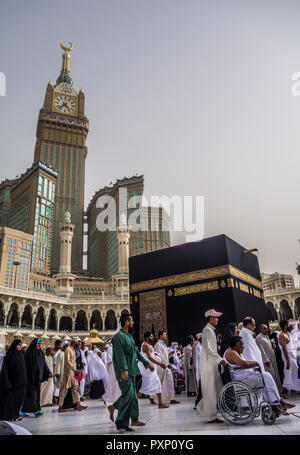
column 65, row 104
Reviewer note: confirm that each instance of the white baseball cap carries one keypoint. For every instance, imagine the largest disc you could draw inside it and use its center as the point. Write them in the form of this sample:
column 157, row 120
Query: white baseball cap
column 213, row 313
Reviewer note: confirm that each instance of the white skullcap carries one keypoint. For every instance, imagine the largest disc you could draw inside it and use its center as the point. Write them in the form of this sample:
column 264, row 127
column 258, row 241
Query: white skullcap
column 48, row 347
column 107, row 345
column 198, row 335
column 64, row 343
column 24, row 345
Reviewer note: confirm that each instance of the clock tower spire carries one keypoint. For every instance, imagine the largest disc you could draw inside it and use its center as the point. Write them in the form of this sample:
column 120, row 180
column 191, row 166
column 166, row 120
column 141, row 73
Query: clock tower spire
column 65, row 75
column 61, row 135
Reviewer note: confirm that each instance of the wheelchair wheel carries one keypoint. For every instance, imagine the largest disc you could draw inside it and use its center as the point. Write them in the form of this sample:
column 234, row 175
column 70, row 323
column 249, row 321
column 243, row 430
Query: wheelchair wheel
column 238, row 403
column 268, row 416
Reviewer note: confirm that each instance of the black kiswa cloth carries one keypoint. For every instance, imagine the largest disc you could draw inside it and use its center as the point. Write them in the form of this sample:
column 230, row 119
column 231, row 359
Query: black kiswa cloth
column 13, row 381
column 37, row 372
column 184, row 281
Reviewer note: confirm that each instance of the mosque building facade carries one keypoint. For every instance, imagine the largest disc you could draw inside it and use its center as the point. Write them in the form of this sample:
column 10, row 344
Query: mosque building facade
column 45, row 290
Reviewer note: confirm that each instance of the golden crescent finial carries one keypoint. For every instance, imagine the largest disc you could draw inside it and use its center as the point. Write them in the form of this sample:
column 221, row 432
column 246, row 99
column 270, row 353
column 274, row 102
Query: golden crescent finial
column 66, row 48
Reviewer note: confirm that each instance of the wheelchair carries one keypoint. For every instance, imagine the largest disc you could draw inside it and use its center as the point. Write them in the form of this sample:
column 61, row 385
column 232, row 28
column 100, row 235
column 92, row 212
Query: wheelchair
column 240, row 402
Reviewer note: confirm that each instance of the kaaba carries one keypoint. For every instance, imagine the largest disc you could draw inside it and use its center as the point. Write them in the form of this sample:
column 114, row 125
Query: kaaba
column 172, row 288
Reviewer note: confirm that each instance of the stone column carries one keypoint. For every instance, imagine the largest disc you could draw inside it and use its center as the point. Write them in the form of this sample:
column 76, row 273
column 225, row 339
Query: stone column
column 34, row 313
column 292, row 305
column 20, row 316
column 66, row 236
column 58, row 314
column 88, row 316
column 103, row 316
column 47, row 314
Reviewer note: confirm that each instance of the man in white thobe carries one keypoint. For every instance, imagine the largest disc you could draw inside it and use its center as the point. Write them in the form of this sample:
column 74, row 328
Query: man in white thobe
column 268, row 355
column 56, row 351
column 196, row 342
column 165, row 375
column 197, row 360
column 175, row 365
column 251, row 351
column 112, row 392
column 295, row 334
column 151, row 384
column 60, row 364
column 211, row 382
column 85, row 370
column 180, row 355
column 47, row 387
column 188, row 368
column 104, row 355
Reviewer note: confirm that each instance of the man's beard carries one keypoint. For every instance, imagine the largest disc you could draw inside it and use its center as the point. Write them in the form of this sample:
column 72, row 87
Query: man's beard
column 131, row 330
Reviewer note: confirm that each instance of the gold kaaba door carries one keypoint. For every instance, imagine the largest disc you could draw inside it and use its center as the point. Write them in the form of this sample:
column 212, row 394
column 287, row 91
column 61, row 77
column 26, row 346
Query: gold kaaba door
column 153, row 314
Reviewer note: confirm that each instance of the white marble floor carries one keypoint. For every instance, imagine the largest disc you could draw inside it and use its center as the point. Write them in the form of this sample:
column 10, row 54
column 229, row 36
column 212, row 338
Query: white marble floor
column 179, row 419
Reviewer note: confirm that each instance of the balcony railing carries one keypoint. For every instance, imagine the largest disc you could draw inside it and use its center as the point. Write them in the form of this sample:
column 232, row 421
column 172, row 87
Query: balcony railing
column 76, row 298
column 11, row 328
column 28, row 294
column 282, row 291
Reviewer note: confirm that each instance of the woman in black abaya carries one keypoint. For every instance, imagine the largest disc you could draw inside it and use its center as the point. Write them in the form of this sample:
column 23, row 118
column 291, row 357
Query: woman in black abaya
column 37, row 372
column 13, row 381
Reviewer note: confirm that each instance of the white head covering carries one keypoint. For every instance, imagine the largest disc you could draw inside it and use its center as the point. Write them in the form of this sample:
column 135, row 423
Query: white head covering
column 198, row 335
column 173, row 347
column 97, row 369
column 24, row 345
column 64, row 343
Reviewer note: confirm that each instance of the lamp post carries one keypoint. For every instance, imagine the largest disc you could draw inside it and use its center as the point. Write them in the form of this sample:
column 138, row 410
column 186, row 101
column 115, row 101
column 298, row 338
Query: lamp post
column 16, row 263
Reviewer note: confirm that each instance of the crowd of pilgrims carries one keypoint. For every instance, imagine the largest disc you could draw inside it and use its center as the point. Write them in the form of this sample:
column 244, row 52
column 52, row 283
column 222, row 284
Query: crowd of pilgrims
column 65, row 374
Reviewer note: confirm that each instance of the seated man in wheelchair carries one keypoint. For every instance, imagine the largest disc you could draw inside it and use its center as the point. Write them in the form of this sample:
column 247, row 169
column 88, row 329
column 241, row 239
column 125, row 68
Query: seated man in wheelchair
column 242, row 369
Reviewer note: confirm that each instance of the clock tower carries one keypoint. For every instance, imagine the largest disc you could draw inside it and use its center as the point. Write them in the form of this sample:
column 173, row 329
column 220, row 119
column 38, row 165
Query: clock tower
column 61, row 143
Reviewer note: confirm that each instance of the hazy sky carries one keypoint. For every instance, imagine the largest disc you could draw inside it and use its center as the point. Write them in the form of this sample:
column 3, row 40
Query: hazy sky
column 194, row 94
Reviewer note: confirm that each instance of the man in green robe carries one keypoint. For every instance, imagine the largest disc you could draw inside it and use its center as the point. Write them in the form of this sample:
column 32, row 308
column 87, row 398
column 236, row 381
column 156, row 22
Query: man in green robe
column 125, row 355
